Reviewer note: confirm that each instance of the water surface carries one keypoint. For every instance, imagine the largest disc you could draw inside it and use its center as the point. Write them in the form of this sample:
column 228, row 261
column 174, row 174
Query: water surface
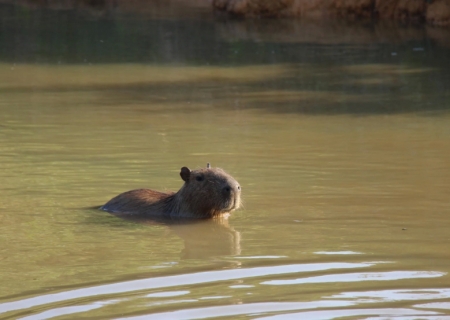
column 342, row 150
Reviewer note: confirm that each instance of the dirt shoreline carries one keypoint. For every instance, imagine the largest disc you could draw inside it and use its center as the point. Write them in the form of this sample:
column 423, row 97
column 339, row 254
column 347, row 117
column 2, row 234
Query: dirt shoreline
column 433, row 12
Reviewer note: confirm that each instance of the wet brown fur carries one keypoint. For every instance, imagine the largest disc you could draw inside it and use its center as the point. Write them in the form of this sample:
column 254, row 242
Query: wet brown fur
column 206, row 193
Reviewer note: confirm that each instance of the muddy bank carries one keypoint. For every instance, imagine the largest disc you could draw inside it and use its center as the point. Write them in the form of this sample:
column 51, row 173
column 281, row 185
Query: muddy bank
column 436, row 12
column 145, row 8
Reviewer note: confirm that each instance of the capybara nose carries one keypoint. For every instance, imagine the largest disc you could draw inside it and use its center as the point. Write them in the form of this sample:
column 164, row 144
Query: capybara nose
column 227, row 189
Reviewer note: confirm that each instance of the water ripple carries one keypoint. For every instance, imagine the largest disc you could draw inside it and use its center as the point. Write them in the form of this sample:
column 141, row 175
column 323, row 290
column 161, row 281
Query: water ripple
column 177, row 280
column 363, row 276
column 240, row 309
column 335, row 314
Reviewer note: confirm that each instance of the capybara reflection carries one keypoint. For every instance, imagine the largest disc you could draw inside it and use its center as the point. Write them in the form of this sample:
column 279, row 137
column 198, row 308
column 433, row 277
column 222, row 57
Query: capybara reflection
column 206, row 193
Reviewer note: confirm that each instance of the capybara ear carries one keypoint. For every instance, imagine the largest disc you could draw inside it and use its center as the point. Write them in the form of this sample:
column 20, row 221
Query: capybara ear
column 185, row 173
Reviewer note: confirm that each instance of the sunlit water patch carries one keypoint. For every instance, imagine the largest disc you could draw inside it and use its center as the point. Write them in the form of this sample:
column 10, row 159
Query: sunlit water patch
column 337, row 252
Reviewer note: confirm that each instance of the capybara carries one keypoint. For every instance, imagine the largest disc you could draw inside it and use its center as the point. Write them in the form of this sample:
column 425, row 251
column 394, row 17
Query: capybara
column 206, row 193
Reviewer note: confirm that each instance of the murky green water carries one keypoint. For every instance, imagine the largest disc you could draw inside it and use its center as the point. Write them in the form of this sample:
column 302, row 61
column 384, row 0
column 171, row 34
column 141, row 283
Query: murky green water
column 342, row 150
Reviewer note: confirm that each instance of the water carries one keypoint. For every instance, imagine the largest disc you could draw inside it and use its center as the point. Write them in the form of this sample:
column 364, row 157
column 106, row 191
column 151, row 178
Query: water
column 341, row 147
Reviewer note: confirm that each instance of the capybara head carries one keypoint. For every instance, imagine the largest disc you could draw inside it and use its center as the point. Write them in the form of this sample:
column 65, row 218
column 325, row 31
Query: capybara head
column 208, row 191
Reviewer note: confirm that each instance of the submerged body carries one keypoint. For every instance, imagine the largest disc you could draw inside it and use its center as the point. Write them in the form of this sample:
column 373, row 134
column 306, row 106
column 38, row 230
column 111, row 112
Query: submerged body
column 206, row 193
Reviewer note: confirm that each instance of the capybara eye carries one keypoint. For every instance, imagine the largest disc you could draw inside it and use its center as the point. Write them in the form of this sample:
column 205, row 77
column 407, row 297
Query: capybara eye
column 239, row 187
column 199, row 178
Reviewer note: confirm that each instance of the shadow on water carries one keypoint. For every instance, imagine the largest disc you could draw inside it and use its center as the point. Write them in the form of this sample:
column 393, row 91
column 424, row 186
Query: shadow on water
column 327, row 68
column 360, row 89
